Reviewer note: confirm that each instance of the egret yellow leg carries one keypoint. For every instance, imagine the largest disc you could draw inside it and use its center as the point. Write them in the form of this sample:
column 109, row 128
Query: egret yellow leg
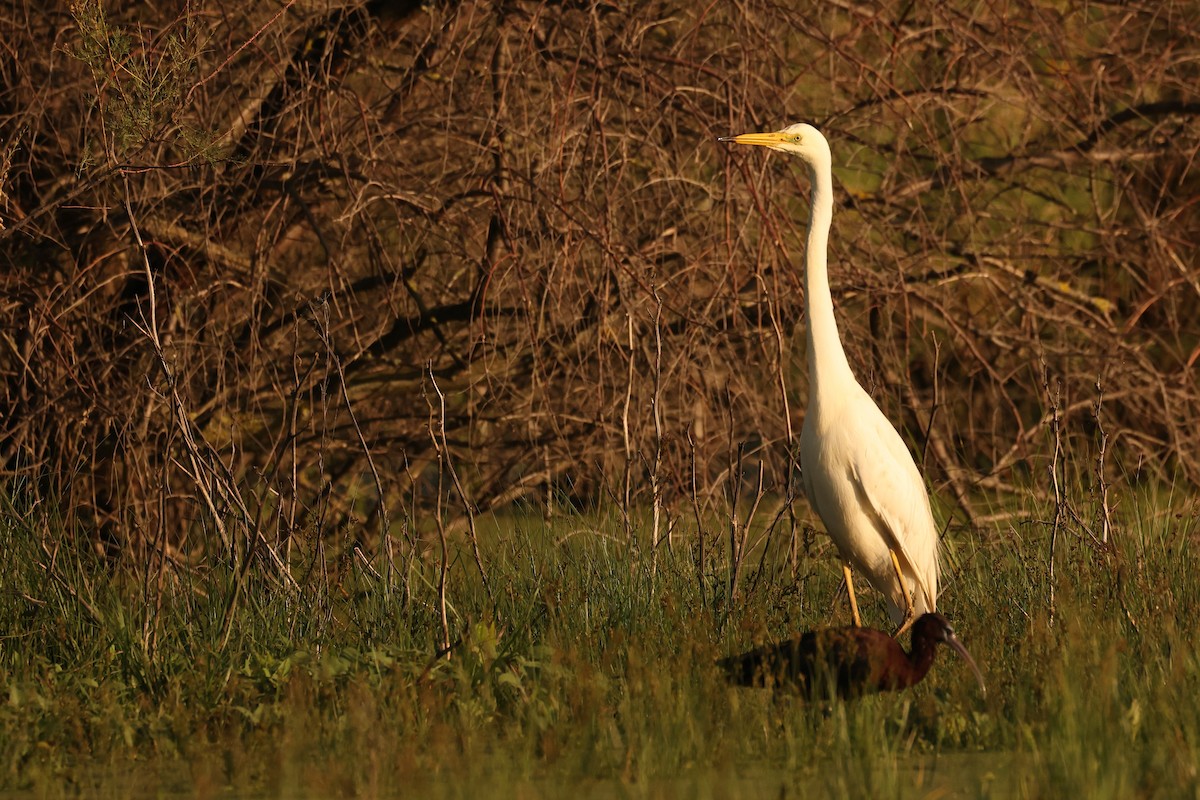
column 853, row 599
column 910, row 613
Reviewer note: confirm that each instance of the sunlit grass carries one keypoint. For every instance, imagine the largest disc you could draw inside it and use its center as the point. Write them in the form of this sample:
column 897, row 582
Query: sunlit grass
column 585, row 671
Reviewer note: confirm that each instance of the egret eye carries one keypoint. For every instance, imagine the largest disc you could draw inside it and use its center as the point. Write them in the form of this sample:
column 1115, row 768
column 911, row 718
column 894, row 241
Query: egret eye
column 797, row 138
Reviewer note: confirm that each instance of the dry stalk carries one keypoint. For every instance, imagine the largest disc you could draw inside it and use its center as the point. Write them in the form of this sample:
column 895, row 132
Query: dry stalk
column 444, row 452
column 694, row 494
column 436, row 422
column 1101, row 477
column 627, row 439
column 1056, row 470
column 656, row 400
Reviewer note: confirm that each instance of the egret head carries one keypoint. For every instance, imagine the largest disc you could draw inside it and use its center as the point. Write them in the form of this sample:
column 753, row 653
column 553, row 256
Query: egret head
column 800, row 139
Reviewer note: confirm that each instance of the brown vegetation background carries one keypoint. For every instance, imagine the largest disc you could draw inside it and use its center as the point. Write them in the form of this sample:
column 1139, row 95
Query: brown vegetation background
column 337, row 272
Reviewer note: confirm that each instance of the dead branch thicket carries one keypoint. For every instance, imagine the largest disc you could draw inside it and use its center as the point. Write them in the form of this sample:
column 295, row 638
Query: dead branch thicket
column 294, row 269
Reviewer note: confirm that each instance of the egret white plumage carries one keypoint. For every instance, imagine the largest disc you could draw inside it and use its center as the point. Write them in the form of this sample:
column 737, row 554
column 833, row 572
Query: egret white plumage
column 859, row 476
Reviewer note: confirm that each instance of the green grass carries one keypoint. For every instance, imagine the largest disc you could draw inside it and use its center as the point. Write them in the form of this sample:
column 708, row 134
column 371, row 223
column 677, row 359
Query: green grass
column 586, row 674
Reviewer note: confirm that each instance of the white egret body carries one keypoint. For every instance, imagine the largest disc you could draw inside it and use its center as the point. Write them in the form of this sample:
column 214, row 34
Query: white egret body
column 858, row 474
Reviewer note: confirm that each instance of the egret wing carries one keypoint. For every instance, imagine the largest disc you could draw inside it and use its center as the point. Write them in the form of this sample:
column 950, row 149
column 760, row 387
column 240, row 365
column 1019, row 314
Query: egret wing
column 890, row 487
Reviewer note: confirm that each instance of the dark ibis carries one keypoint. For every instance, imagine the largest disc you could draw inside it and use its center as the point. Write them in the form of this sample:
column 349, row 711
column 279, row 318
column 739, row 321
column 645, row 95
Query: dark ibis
column 848, row 661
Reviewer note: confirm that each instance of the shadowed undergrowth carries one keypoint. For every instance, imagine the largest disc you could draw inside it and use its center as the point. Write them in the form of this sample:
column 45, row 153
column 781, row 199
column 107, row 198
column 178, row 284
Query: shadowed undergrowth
column 282, row 267
column 584, row 670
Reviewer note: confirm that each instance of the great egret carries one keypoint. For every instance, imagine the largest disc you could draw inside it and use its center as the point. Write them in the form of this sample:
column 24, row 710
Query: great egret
column 848, row 661
column 858, row 475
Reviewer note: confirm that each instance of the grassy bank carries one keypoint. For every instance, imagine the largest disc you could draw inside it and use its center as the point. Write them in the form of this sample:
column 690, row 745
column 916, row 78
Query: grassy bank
column 584, row 670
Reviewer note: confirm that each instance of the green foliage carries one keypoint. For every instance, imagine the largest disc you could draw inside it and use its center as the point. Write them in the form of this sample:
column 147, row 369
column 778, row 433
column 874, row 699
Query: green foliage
column 583, row 667
column 138, row 86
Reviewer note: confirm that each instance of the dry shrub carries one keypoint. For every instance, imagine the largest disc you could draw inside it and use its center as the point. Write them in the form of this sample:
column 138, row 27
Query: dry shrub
column 265, row 267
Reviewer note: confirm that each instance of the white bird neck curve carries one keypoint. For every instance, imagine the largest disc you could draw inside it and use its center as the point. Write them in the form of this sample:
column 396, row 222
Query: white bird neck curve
column 828, row 369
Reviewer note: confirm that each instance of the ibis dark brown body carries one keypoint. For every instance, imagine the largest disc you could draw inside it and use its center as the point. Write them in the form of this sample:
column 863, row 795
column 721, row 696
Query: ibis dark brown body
column 848, row 662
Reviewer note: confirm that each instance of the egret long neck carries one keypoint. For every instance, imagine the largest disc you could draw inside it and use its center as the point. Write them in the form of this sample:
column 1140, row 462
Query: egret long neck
column 827, row 364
